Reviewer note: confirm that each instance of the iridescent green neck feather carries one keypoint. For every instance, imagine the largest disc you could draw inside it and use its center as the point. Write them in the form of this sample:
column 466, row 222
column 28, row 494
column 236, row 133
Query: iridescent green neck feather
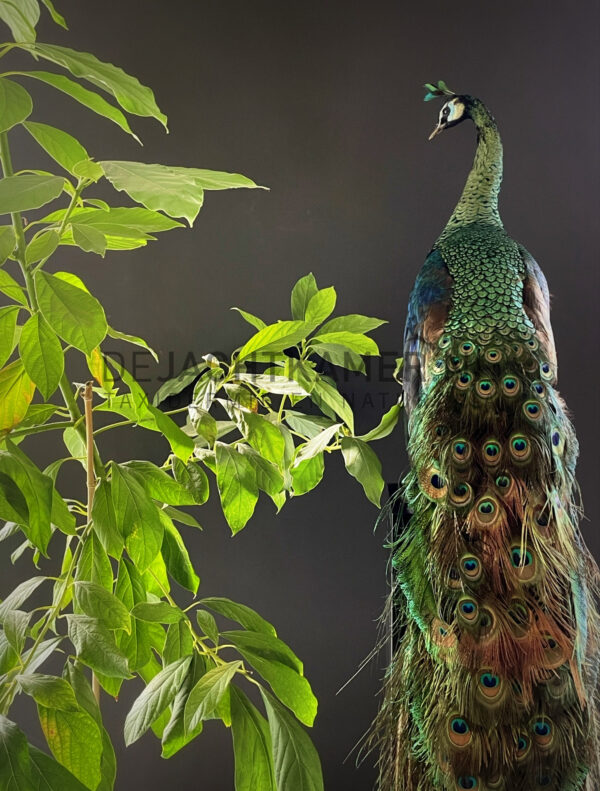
column 479, row 200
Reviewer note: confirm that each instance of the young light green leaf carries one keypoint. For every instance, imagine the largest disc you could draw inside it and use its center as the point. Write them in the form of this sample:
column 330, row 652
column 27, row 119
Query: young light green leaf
column 28, row 191
column 360, row 344
column 96, row 646
column 265, row 437
column 133, row 339
column 76, row 316
column 320, row 305
column 178, row 383
column 41, row 247
column 340, row 355
column 178, row 642
column 137, row 516
column 15, row 102
column 21, row 19
column 317, row 444
column 297, row 764
column 38, row 654
column 75, row 741
column 61, row 146
column 238, row 489
column 325, row 393
column 154, row 699
column 272, row 383
column 158, row 612
column 208, row 693
column 363, row 464
column 307, row 425
column 50, row 691
column 56, row 17
column 353, row 322
column 19, row 595
column 96, row 601
column 251, row 319
column 304, row 290
column 269, row 478
column 87, row 98
column 219, row 180
column 193, row 478
column 7, row 245
column 89, row 239
column 128, row 91
column 16, row 624
column 386, row 425
column 16, row 392
column 251, row 745
column 15, row 767
column 42, row 354
column 8, row 325
column 208, row 625
column 48, row 774
column 275, row 338
column 240, row 613
column 307, row 474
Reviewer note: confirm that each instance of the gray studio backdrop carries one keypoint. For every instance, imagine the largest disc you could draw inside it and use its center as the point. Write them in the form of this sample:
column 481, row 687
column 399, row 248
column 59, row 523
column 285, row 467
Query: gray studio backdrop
column 322, row 102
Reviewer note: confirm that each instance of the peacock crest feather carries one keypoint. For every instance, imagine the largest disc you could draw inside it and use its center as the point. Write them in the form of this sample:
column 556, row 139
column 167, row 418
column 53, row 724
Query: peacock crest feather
column 493, row 682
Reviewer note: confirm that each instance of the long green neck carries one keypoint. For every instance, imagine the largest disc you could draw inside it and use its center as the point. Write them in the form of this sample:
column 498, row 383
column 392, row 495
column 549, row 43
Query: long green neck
column 479, row 199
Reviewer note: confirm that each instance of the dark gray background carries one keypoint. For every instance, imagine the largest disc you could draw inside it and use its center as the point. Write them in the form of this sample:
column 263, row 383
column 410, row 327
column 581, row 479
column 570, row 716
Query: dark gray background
column 322, row 102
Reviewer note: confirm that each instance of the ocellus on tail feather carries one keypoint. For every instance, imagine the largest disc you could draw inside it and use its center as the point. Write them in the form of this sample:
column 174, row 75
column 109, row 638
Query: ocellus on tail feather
column 493, row 684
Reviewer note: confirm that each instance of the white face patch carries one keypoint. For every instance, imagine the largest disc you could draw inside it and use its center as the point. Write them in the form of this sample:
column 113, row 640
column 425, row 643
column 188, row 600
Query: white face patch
column 451, row 111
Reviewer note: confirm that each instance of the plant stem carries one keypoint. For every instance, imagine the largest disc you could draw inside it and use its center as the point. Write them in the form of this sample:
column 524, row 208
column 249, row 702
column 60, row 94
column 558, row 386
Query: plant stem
column 25, row 432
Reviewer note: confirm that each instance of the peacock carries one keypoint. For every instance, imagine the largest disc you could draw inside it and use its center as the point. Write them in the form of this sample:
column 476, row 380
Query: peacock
column 492, row 684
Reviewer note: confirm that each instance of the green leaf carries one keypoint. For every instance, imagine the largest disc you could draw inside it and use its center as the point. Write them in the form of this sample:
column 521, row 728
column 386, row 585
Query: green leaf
column 277, row 663
column 8, row 656
column 317, row 444
column 133, row 339
column 340, row 355
column 240, row 613
column 42, row 354
column 56, row 17
column 87, row 98
column 308, row 474
column 15, row 102
column 363, row 464
column 275, row 338
column 154, row 699
column 177, row 558
column 96, row 646
column 177, row 191
column 7, row 245
column 8, row 325
column 60, row 146
column 37, row 490
column 94, row 565
column 96, row 601
column 50, row 691
column 48, row 774
column 307, row 425
column 130, row 590
column 159, row 484
column 105, row 520
column 75, row 741
column 76, row 316
column 178, row 643
column 175, row 736
column 320, row 305
column 327, row 394
column 28, row 191
column 125, row 221
column 89, row 239
column 251, row 319
column 265, row 437
column 272, row 383
column 178, row 383
column 88, row 169
column 219, row 180
column 304, row 290
column 360, row 344
column 137, row 517
column 251, row 745
column 354, row 322
column 181, row 516
column 208, row 625
column 268, row 476
column 208, row 693
column 19, row 595
column 297, row 764
column 41, row 247
column 238, row 489
column 60, row 515
column 15, row 768
column 386, row 425
column 193, row 478
column 158, row 612
column 16, row 624
column 130, row 94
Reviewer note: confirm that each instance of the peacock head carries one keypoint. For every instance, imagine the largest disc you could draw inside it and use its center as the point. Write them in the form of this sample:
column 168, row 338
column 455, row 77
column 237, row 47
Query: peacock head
column 455, row 109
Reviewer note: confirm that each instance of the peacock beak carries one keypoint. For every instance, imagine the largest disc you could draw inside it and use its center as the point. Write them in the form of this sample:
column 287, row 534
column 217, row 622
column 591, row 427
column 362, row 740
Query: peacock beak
column 439, row 128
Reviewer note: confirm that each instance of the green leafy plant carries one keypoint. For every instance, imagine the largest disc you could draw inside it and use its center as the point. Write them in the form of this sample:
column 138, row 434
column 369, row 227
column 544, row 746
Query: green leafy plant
column 263, row 420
